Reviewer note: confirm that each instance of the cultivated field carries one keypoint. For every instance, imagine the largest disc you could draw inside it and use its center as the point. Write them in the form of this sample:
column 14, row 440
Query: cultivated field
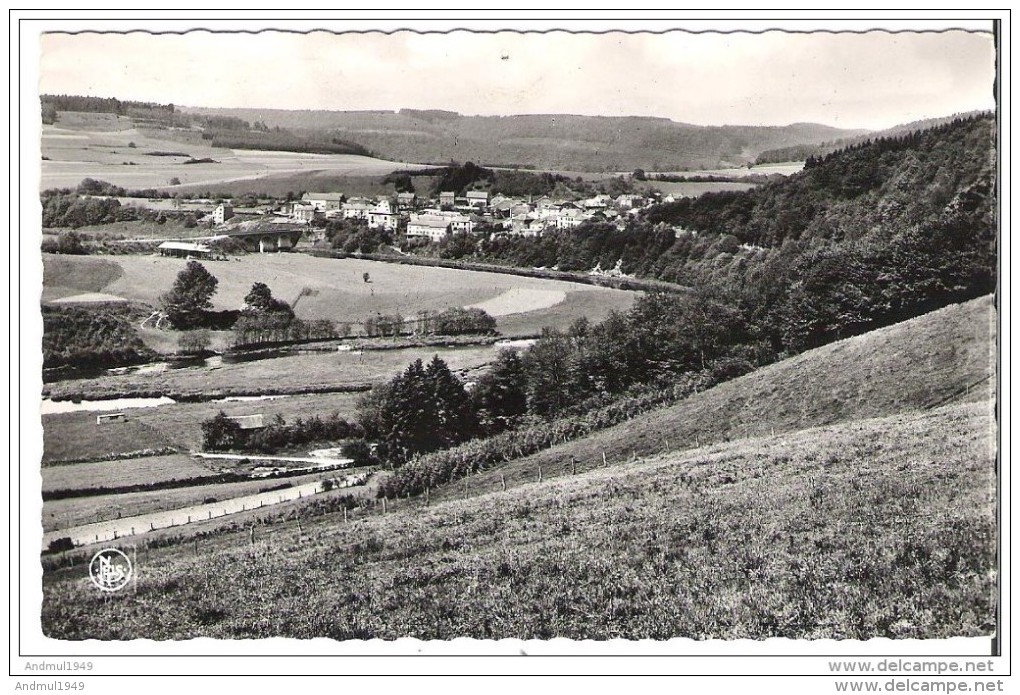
column 800, row 536
column 97, row 146
column 322, row 288
column 122, row 473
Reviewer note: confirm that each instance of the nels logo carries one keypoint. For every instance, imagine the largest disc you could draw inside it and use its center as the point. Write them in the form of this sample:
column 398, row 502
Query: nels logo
column 110, row 570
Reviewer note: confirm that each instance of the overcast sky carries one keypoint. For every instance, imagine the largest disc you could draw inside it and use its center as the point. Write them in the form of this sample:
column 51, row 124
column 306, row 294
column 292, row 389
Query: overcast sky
column 873, row 80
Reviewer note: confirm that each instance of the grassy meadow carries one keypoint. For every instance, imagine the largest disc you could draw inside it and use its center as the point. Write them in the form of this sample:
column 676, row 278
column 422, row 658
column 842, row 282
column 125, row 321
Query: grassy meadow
column 76, row 437
column 123, row 472
column 320, row 288
column 875, row 528
column 322, row 371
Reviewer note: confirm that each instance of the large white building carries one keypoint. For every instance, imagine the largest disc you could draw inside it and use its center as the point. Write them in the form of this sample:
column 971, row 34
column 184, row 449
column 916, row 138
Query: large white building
column 432, row 227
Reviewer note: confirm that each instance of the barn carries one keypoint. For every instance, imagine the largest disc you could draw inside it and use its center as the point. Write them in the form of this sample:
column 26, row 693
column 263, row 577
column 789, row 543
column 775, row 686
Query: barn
column 184, row 249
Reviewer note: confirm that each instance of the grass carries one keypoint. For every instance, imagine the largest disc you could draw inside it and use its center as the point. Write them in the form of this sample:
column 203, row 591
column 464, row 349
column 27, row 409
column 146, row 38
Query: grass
column 122, row 472
column 68, row 436
column 65, row 513
column 64, row 276
column 912, row 365
column 77, row 437
column 877, row 528
column 328, row 288
column 279, row 185
column 279, row 375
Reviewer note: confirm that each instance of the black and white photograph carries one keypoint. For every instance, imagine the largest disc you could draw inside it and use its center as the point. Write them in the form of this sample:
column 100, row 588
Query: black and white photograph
column 684, row 334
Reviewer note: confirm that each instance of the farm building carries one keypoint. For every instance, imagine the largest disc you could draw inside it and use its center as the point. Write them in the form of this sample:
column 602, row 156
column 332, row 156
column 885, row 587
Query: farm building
column 222, row 213
column 248, row 422
column 183, row 249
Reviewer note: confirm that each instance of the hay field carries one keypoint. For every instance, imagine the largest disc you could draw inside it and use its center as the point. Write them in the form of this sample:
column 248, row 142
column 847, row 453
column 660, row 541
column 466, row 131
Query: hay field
column 333, row 288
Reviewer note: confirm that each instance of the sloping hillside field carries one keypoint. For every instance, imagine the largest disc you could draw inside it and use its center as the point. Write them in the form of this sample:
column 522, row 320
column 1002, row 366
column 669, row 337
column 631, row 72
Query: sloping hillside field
column 849, row 494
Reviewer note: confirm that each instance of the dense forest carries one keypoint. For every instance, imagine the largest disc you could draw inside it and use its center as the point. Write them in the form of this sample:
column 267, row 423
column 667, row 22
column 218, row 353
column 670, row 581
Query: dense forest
column 870, row 235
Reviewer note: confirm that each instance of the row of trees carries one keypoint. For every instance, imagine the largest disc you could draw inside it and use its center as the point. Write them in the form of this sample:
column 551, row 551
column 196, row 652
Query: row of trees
column 220, row 433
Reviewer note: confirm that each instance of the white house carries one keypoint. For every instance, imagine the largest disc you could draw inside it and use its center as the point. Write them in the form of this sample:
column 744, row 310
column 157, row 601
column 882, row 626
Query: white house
column 324, row 201
column 382, row 216
column 356, row 210
column 222, row 213
column 431, row 227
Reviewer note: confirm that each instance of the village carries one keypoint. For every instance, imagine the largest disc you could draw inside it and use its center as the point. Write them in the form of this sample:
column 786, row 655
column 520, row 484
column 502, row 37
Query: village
column 280, row 226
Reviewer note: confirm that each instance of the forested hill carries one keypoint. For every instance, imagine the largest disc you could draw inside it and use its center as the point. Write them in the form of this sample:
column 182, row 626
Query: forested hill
column 800, row 152
column 547, row 141
column 861, row 238
column 873, row 189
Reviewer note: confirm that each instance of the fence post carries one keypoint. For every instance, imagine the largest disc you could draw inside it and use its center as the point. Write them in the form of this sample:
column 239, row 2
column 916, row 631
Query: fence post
column 345, row 515
column 502, row 481
column 539, row 474
column 573, row 466
column 604, row 463
column 428, row 501
column 251, row 534
column 383, row 505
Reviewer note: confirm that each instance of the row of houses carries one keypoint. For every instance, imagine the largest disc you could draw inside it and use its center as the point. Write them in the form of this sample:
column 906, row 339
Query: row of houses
column 436, row 219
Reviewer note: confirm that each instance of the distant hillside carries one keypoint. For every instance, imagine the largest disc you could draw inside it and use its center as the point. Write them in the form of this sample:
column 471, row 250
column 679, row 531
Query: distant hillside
column 554, row 141
column 800, row 152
